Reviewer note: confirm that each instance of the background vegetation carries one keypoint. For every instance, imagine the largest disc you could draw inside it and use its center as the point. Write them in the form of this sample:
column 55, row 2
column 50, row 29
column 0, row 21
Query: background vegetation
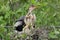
column 47, row 13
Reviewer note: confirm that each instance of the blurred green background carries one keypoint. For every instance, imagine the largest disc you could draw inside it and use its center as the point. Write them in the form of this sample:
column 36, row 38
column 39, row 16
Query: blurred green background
column 47, row 13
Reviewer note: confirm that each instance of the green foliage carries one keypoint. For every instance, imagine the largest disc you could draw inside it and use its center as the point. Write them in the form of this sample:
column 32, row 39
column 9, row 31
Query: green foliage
column 47, row 13
column 23, row 35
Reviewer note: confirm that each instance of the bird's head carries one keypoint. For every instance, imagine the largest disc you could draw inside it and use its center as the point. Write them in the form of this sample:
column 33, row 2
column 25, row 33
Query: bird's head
column 31, row 8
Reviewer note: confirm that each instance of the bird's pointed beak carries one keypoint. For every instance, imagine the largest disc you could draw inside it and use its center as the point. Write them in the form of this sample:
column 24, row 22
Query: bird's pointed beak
column 32, row 8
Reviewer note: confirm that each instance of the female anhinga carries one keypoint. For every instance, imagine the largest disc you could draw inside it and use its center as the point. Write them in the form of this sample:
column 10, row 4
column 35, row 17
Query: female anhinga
column 22, row 22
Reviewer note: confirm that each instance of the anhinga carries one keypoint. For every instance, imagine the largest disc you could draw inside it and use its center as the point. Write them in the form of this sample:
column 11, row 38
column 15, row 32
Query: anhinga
column 20, row 23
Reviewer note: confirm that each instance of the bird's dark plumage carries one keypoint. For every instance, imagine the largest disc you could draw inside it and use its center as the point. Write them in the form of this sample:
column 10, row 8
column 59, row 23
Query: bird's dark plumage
column 19, row 25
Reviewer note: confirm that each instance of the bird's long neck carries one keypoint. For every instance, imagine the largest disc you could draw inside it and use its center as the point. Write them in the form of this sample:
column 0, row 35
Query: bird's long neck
column 29, row 12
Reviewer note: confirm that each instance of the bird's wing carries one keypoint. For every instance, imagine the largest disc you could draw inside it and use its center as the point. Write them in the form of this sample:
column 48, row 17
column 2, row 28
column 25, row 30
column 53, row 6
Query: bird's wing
column 18, row 23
